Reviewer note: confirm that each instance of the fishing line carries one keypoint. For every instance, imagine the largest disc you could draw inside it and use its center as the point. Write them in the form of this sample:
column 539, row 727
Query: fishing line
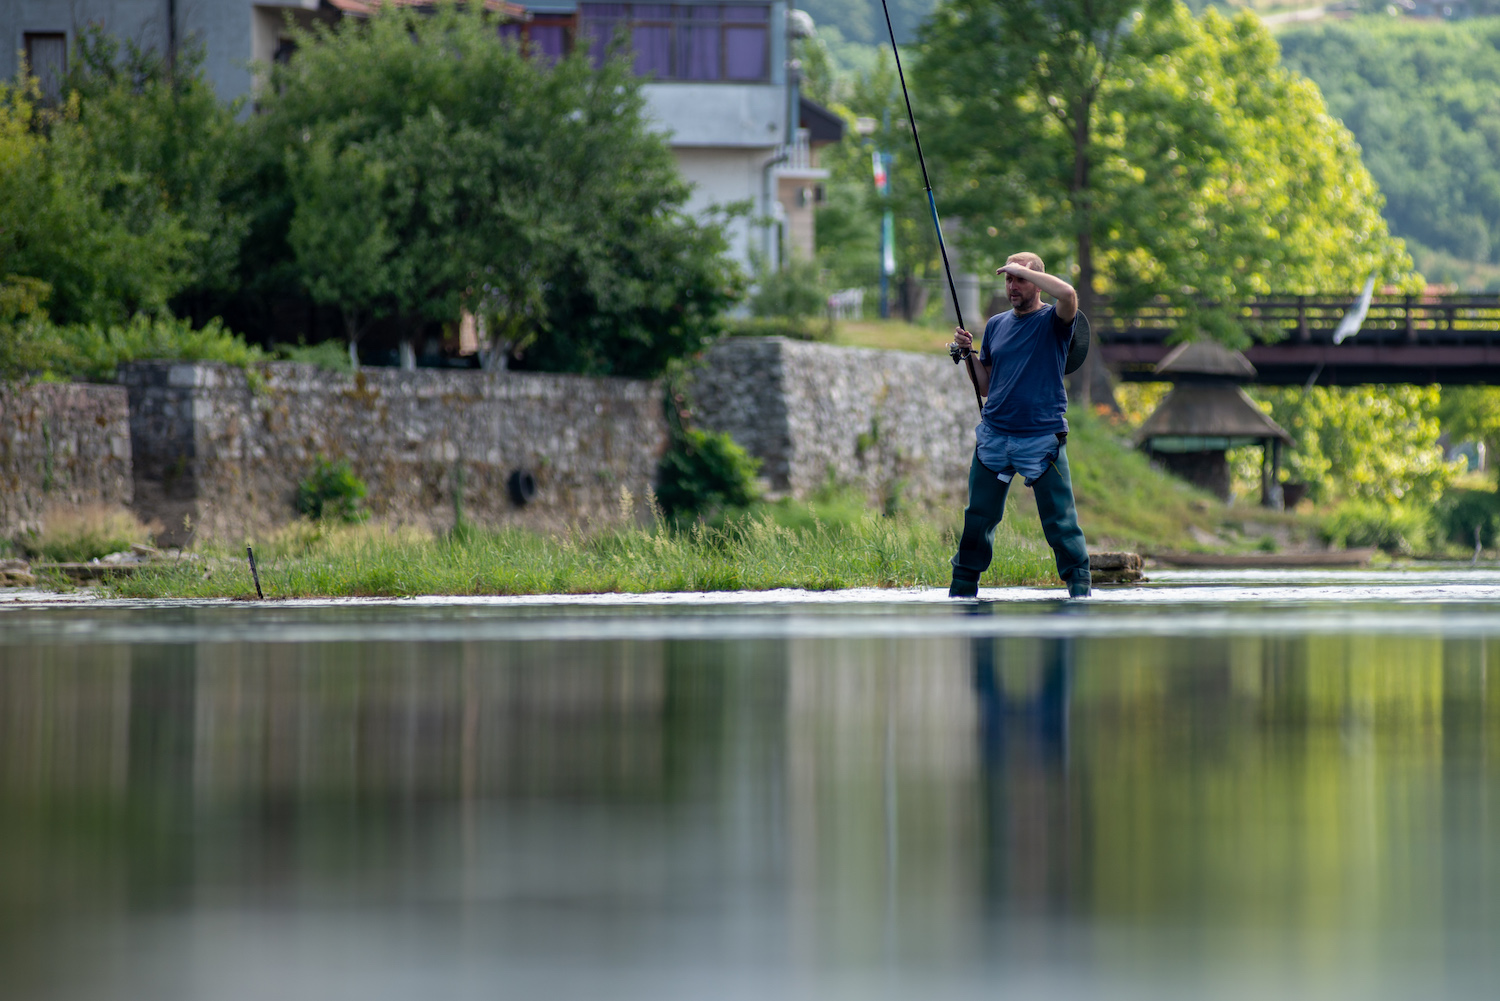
column 931, row 202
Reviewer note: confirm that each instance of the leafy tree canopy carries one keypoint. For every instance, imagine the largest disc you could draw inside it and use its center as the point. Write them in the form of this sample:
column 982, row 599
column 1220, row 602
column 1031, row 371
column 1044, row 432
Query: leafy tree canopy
column 1161, row 155
column 112, row 198
column 1364, row 443
column 430, row 168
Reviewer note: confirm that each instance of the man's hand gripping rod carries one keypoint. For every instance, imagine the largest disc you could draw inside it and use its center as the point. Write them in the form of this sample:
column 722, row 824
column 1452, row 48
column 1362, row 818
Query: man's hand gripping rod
column 966, row 355
column 957, row 353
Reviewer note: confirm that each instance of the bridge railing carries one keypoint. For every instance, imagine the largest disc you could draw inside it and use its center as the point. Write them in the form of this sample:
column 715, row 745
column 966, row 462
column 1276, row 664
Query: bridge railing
column 1392, row 319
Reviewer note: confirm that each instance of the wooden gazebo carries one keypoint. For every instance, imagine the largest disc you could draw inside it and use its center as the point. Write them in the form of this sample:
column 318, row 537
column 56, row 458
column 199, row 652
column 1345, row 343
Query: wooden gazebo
column 1206, row 414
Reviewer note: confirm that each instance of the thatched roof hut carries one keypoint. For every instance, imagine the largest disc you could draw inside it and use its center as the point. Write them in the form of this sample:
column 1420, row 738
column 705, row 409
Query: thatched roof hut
column 1205, row 415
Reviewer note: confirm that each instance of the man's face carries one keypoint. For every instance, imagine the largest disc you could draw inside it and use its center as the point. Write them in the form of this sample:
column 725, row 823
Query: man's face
column 1021, row 292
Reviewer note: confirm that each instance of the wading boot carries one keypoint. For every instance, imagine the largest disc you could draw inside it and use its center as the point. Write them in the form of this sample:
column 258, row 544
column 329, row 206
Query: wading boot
column 1079, row 588
column 963, row 588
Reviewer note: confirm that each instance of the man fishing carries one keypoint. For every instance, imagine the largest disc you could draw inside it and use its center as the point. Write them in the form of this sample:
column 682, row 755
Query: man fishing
column 1023, row 425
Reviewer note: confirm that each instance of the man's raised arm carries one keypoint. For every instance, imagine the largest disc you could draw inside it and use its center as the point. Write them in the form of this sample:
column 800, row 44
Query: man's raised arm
column 1065, row 294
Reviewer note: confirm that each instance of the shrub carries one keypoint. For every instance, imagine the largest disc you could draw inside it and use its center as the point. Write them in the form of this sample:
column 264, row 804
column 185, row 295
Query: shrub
column 704, row 472
column 332, row 492
column 94, row 353
column 794, row 292
column 330, row 355
column 1394, row 528
column 77, row 535
column 1460, row 512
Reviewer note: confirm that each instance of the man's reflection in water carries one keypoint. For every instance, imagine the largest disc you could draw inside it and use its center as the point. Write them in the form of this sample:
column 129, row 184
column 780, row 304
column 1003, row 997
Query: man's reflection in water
column 1026, row 809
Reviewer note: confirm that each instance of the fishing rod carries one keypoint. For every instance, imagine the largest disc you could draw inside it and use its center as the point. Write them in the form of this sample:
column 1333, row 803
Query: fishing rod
column 953, row 349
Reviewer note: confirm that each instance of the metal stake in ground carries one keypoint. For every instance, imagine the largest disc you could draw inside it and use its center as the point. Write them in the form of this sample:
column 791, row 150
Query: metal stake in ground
column 254, row 573
column 932, row 205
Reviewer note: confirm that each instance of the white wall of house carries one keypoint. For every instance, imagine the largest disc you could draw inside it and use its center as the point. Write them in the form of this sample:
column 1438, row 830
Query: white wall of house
column 722, row 177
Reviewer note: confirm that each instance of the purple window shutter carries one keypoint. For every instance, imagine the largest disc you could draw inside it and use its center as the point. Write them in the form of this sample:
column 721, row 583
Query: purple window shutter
column 548, row 41
column 653, row 50
column 744, row 52
column 511, row 30
column 698, row 52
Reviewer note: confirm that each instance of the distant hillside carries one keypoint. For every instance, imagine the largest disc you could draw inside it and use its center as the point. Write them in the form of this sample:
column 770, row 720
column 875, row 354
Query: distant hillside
column 1423, row 99
column 863, row 21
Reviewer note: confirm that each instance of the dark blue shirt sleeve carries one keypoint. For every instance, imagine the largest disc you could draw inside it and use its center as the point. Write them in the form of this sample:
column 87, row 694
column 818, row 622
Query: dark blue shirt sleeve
column 1062, row 328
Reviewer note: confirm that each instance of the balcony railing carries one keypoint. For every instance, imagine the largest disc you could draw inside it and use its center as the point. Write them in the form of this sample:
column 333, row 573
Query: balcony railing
column 799, row 155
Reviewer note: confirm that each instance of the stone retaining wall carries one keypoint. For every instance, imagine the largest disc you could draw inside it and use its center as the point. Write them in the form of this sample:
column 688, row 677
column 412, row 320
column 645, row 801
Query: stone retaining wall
column 221, row 454
column 217, row 453
column 61, row 445
column 898, row 425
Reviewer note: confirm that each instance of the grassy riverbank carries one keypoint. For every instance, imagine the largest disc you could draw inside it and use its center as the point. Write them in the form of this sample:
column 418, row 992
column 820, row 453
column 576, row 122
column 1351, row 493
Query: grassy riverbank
column 757, row 552
column 833, row 541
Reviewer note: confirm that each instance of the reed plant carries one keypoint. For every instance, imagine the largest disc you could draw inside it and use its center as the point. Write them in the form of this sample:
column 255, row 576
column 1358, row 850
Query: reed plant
column 753, row 552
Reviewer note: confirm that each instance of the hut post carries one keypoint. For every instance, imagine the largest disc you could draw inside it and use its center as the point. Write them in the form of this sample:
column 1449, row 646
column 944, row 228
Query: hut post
column 1265, row 472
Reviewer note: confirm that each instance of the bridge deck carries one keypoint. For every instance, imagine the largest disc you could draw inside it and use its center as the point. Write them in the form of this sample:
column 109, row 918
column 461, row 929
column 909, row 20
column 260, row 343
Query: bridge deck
column 1408, row 339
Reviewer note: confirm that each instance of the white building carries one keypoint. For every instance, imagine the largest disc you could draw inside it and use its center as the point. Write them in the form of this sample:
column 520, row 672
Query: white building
column 721, row 86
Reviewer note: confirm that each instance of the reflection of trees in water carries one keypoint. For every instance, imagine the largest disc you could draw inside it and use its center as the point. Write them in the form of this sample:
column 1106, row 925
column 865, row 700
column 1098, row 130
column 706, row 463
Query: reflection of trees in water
column 1278, row 781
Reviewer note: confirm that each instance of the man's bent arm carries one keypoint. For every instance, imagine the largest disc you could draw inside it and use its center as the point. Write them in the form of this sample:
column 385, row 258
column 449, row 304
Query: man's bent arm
column 982, row 373
column 1065, row 294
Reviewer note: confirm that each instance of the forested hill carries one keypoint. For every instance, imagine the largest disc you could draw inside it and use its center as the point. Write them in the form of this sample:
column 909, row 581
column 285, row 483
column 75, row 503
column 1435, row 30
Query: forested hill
column 1423, row 99
column 863, row 20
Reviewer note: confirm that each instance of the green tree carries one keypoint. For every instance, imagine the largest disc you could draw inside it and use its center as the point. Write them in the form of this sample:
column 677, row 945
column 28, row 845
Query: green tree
column 114, row 199
column 848, row 226
column 340, row 236
column 1159, row 154
column 1364, row 443
column 144, row 117
column 1472, row 413
column 481, row 179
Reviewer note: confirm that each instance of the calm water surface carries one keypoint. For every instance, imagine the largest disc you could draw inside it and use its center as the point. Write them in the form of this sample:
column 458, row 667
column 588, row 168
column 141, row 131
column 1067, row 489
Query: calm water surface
column 1183, row 795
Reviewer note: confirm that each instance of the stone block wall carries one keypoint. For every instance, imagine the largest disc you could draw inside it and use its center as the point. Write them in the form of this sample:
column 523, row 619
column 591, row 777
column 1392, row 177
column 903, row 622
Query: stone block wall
column 61, row 445
column 207, row 451
column 898, row 425
column 220, row 454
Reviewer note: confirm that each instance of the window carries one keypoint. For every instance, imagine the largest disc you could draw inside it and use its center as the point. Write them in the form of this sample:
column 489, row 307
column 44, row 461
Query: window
column 47, row 59
column 682, row 42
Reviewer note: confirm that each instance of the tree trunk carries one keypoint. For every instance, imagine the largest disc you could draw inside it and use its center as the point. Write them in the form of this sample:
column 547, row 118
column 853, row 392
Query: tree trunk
column 1092, row 380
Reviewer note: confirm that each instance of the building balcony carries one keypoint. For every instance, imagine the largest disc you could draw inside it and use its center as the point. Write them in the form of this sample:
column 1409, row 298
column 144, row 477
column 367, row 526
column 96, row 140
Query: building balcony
column 801, row 159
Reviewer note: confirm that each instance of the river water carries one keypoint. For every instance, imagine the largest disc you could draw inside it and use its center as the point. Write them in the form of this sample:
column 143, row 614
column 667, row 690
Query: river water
column 1225, row 786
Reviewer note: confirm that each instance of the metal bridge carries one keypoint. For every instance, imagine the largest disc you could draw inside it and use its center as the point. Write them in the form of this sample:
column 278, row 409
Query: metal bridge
column 1453, row 339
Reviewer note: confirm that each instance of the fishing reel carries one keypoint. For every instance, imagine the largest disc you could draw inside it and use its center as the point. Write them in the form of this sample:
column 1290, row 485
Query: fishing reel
column 958, row 353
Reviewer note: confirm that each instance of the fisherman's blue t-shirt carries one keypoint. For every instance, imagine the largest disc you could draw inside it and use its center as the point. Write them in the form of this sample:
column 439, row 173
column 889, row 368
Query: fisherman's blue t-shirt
column 1025, row 355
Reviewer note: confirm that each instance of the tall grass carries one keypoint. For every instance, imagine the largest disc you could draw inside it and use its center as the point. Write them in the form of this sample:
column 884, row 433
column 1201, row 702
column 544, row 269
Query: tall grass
column 750, row 553
column 76, row 535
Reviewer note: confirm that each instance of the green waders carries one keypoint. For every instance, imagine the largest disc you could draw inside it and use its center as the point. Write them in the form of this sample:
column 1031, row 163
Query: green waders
column 1054, row 502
